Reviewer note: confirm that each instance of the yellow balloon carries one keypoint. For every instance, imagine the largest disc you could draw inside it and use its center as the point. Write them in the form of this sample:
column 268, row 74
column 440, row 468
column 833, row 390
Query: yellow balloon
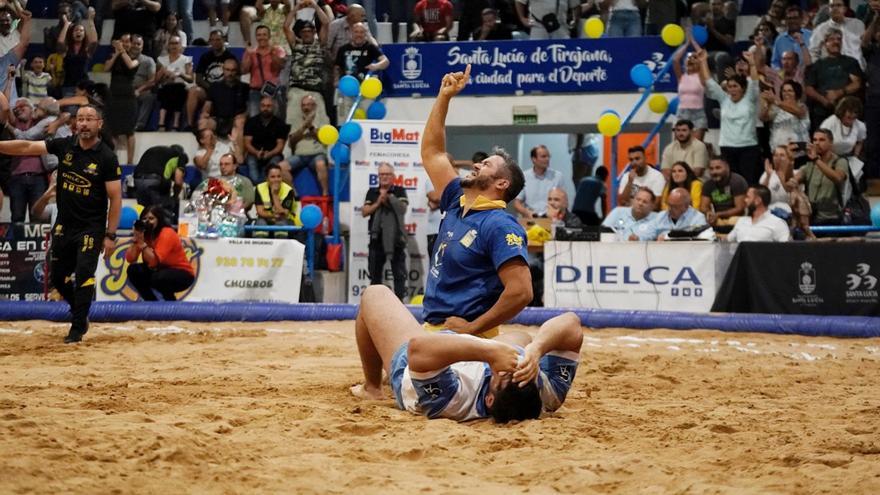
column 328, row 134
column 371, row 88
column 609, row 125
column 417, row 300
column 594, row 27
column 658, row 103
column 98, row 68
column 139, row 208
column 672, row 34
column 360, row 114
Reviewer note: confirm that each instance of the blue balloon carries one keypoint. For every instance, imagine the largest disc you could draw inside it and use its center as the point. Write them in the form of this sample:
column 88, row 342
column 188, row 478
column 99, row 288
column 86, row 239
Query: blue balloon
column 340, row 153
column 127, row 217
column 700, row 34
column 641, row 75
column 377, row 111
column 673, row 106
column 350, row 132
column 349, row 86
column 609, row 111
column 875, row 215
column 311, row 216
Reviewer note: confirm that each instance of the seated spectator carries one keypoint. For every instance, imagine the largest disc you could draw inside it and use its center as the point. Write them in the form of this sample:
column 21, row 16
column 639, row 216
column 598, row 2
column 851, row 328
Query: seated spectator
column 824, row 176
column 847, row 130
column 273, row 16
column 624, row 19
column 358, row 58
column 589, row 199
column 143, row 82
column 490, row 28
column 170, row 28
column 263, row 63
column 35, row 83
column 739, row 118
column 164, row 267
column 546, row 19
column 724, row 194
column 136, row 17
column 307, row 151
column 831, row 78
column 241, row 185
column 684, row 148
column 851, row 31
column 795, row 39
column 433, row 19
column 173, row 75
column 276, row 202
column 691, row 94
column 557, row 209
column 122, row 107
column 680, row 216
column 264, row 138
column 540, row 179
column 207, row 158
column 307, row 71
column 227, row 105
column 787, row 114
column 209, row 70
column 637, row 174
column 631, row 222
column 681, row 175
column 758, row 224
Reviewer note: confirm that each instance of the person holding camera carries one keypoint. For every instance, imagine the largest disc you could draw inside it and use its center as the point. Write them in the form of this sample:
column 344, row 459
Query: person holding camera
column 264, row 63
column 547, row 19
column 164, row 267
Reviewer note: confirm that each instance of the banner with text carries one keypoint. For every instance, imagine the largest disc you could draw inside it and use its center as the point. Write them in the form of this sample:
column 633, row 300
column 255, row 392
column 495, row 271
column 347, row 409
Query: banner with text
column 23, row 248
column 266, row 270
column 396, row 143
column 547, row 66
column 670, row 276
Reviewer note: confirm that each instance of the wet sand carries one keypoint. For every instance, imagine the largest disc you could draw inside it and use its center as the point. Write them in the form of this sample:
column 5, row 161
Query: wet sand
column 157, row 407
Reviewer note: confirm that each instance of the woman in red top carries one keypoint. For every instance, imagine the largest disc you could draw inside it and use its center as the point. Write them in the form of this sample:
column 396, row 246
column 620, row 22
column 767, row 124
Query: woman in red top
column 165, row 267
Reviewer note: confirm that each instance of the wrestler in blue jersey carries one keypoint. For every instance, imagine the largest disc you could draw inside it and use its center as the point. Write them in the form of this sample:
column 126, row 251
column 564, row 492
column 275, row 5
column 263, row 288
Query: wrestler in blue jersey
column 479, row 275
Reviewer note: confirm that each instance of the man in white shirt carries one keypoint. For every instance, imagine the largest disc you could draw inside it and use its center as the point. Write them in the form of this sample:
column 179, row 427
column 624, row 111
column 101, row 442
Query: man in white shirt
column 684, row 148
column 639, row 174
column 759, row 224
column 631, row 222
column 532, row 201
column 852, row 30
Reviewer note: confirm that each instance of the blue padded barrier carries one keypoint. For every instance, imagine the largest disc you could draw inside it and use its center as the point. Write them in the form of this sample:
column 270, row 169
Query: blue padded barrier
column 107, row 311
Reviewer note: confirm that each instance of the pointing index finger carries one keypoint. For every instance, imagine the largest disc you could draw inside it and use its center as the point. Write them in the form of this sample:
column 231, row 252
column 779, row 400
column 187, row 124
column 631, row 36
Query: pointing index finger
column 467, row 72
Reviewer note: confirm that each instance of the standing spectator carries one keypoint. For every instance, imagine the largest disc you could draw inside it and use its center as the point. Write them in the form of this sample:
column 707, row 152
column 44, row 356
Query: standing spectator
column 624, row 20
column 183, row 10
column 264, row 63
column 385, row 206
column 14, row 55
column 470, row 17
column 264, row 138
column 723, row 194
column 357, row 59
column 589, row 199
column 739, row 118
column 28, row 178
column 637, row 174
column 143, row 82
column 175, row 72
column 795, row 39
column 227, row 105
column 272, row 16
column 136, row 17
column 871, row 46
column 684, row 148
column 851, row 31
column 164, row 267
column 225, row 13
column 170, row 28
column 788, row 116
column 691, row 93
column 339, row 31
column 50, row 33
column 540, row 179
column 547, row 19
column 759, row 224
column 307, row 151
column 122, row 107
column 36, row 82
column 369, row 7
column 79, row 42
column 9, row 37
column 55, row 68
column 276, row 202
column 490, row 28
column 433, row 19
column 722, row 32
column 209, row 70
column 207, row 158
column 402, row 12
column 830, row 78
column 307, row 70
column 659, row 13
column 681, row 175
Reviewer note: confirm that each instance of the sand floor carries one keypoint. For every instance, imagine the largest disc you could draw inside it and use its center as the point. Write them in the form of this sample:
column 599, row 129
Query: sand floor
column 149, row 407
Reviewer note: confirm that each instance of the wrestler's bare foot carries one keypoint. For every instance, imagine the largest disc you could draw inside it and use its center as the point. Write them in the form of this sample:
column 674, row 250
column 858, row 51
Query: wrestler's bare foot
column 362, row 392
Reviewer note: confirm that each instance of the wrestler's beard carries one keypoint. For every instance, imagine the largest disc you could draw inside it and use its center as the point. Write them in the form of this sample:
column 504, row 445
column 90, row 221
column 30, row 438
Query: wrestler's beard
column 479, row 182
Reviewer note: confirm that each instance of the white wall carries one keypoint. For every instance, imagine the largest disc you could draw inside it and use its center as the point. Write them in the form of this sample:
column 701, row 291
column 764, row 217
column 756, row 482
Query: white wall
column 560, row 156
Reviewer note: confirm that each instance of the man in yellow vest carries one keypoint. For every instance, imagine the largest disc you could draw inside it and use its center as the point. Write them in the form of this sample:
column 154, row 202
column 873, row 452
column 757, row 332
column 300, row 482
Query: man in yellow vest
column 276, row 202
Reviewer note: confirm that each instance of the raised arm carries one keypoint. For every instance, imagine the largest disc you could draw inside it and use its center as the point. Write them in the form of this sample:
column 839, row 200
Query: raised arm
column 91, row 33
column 18, row 147
column 434, row 157
column 24, row 36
